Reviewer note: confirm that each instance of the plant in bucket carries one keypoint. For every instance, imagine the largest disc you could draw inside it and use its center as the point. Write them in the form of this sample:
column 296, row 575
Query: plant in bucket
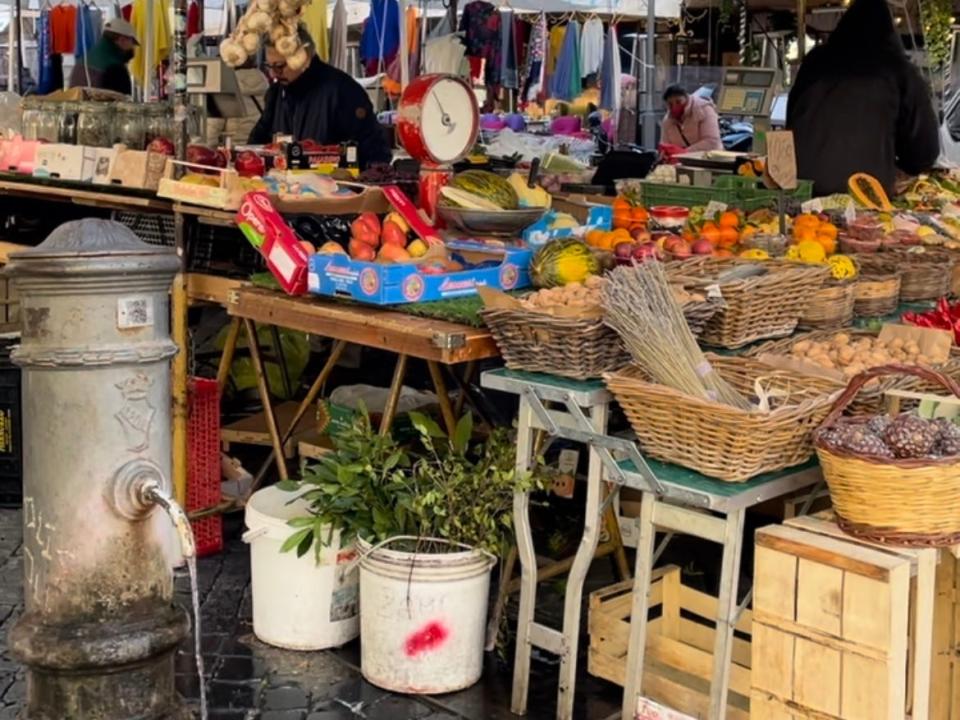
column 429, row 522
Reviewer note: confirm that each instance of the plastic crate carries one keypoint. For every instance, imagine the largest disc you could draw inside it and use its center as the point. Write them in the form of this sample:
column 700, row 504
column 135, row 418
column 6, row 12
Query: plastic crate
column 203, row 463
column 733, row 190
column 11, row 428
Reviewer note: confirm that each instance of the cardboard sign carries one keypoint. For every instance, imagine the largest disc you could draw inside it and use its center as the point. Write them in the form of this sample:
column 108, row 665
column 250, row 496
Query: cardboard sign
column 781, row 166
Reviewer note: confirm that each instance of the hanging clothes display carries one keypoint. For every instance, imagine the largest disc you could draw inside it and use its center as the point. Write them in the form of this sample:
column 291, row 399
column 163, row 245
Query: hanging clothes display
column 63, row 29
column 610, row 73
column 566, row 81
column 193, row 19
column 44, row 55
column 534, row 66
column 338, row 37
column 481, row 23
column 159, row 32
column 314, row 18
column 591, row 47
column 380, row 39
column 508, row 52
column 88, row 29
column 557, row 35
column 444, row 55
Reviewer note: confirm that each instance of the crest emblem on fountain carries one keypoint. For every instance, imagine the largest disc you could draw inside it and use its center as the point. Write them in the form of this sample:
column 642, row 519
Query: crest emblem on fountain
column 136, row 415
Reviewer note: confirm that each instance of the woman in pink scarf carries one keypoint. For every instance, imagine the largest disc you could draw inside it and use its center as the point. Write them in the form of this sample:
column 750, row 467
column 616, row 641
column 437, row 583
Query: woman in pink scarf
column 690, row 124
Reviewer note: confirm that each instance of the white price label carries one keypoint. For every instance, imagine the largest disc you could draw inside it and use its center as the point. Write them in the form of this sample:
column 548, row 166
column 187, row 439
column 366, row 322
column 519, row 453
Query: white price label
column 134, row 312
column 713, row 291
column 812, row 207
column 714, row 208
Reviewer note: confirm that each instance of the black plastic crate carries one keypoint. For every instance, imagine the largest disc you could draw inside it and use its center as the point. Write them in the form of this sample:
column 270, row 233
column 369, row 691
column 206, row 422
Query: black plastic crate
column 11, row 428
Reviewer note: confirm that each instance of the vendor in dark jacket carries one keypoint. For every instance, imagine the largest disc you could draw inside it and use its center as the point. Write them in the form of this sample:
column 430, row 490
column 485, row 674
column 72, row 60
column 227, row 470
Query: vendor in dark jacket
column 319, row 102
column 105, row 64
column 859, row 105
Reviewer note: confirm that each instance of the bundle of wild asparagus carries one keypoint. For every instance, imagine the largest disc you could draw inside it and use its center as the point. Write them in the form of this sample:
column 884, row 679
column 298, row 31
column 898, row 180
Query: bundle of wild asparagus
column 641, row 307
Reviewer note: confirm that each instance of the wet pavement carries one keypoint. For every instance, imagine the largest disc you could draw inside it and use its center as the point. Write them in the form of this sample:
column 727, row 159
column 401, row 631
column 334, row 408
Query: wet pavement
column 248, row 679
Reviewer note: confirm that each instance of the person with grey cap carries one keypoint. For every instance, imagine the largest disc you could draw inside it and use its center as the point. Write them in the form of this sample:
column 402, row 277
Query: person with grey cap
column 104, row 66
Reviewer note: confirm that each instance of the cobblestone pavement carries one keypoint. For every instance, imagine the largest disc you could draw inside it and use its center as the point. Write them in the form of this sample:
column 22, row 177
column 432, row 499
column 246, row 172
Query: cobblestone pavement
column 248, row 680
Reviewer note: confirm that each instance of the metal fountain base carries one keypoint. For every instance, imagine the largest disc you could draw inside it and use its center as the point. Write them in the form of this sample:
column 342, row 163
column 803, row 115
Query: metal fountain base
column 115, row 670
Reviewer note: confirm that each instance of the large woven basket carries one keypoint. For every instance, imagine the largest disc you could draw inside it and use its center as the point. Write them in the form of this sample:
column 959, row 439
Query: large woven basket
column 923, row 276
column 718, row 440
column 830, row 307
column 578, row 348
column 877, row 292
column 914, row 502
column 758, row 307
column 870, row 400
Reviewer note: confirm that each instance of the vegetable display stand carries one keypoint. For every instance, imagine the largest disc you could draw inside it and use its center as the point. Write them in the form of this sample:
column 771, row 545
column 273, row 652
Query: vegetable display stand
column 842, row 629
column 575, row 347
column 745, row 193
column 898, row 501
column 923, row 275
column 679, row 649
column 675, row 501
column 719, row 440
column 760, row 300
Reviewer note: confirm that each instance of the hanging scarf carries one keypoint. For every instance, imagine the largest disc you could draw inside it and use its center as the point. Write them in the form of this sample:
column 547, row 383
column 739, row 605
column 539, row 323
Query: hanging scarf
column 533, row 67
column 45, row 79
column 566, row 82
column 508, row 52
column 610, row 73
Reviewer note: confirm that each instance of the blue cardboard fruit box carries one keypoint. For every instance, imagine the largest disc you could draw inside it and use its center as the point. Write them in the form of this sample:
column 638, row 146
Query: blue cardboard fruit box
column 501, row 268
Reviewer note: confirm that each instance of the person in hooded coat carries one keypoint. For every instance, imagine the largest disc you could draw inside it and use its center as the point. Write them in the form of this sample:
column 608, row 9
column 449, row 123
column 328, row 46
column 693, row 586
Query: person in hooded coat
column 859, row 105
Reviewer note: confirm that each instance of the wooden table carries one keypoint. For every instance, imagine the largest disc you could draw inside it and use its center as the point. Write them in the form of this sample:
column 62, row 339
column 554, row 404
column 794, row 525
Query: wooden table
column 437, row 342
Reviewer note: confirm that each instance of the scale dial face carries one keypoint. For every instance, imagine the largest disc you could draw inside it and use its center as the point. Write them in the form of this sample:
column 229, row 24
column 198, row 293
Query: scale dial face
column 449, row 120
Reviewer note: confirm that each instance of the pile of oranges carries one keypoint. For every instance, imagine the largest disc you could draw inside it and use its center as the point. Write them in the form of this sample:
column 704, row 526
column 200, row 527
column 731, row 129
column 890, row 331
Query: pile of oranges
column 724, row 233
column 608, row 239
column 810, row 228
column 627, row 216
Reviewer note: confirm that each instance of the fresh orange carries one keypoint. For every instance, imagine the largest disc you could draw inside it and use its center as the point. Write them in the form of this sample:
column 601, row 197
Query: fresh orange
column 804, row 234
column 728, row 237
column 710, row 233
column 729, row 219
column 595, row 238
column 747, row 232
column 622, row 233
column 828, row 229
column 723, row 253
column 807, row 220
column 622, row 220
column 639, row 215
column 621, row 204
column 829, row 242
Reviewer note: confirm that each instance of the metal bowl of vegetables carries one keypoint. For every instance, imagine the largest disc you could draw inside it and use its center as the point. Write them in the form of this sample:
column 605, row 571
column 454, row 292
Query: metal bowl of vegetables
column 490, row 222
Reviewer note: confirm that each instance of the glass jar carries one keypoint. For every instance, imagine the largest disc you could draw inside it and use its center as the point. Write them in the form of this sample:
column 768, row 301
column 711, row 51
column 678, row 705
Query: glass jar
column 159, row 123
column 95, row 124
column 48, row 127
column 30, row 117
column 68, row 123
column 129, row 125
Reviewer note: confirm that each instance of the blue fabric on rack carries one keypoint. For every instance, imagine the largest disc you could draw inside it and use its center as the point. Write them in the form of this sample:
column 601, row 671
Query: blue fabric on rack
column 87, row 33
column 44, row 60
column 509, row 77
column 381, row 33
column 610, row 72
column 566, row 82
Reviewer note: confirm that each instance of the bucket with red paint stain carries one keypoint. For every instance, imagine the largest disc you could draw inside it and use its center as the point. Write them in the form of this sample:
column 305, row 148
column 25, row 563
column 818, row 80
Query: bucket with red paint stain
column 423, row 611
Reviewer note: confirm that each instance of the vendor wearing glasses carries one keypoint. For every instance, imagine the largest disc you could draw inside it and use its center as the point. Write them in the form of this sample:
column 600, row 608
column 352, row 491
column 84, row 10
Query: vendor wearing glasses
column 318, row 102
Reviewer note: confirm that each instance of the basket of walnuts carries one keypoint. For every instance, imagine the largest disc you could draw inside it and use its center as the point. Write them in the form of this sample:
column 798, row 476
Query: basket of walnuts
column 893, row 480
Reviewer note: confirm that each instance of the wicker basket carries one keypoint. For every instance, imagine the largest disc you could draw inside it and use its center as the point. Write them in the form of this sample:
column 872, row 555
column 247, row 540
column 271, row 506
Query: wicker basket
column 923, row 276
column 869, row 400
column 578, row 348
column 914, row 502
column 718, row 440
column 877, row 293
column 757, row 307
column 830, row 307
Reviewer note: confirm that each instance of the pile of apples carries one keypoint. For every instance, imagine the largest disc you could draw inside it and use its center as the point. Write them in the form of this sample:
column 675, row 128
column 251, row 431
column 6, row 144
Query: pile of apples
column 374, row 241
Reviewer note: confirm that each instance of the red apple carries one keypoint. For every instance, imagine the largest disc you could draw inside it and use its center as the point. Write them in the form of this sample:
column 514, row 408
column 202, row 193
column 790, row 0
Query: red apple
column 393, row 234
column 623, row 250
column 249, row 164
column 161, row 146
column 702, row 247
column 681, row 249
column 361, row 251
column 646, row 251
column 640, row 234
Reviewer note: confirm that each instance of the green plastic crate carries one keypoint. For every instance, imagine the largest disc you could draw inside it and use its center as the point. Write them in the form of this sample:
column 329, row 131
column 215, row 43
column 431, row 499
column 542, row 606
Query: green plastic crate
column 733, row 190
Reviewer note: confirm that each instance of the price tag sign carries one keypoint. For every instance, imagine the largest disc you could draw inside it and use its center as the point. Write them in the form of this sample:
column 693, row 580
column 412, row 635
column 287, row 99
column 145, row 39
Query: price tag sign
column 781, row 167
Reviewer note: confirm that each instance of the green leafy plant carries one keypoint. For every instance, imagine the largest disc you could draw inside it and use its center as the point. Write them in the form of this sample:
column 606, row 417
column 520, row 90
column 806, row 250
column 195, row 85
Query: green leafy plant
column 373, row 488
column 937, row 19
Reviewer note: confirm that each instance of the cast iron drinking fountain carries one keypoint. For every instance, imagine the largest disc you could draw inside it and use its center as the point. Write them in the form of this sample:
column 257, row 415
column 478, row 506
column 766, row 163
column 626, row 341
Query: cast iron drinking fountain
column 100, row 629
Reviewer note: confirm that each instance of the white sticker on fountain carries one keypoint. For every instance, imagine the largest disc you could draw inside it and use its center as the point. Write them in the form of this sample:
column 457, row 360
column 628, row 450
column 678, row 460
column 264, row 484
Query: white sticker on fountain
column 134, row 312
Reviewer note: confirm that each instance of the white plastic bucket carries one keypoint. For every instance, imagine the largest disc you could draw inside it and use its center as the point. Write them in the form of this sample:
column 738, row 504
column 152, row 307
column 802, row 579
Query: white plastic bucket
column 422, row 618
column 298, row 604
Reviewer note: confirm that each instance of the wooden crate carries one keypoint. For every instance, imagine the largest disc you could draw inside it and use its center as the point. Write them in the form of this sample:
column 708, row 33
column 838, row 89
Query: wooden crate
column 831, row 629
column 679, row 654
column 945, row 683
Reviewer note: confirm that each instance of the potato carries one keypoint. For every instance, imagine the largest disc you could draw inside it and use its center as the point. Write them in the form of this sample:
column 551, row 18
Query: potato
column 896, row 343
column 804, row 346
column 841, row 339
column 846, row 354
column 911, row 347
column 922, row 359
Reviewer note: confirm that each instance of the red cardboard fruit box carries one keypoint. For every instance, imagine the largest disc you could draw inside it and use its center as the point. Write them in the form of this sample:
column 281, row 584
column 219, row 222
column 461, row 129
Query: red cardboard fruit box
column 267, row 231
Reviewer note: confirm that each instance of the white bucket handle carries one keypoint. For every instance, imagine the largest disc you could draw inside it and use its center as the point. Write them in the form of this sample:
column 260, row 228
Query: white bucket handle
column 251, row 535
column 361, row 556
